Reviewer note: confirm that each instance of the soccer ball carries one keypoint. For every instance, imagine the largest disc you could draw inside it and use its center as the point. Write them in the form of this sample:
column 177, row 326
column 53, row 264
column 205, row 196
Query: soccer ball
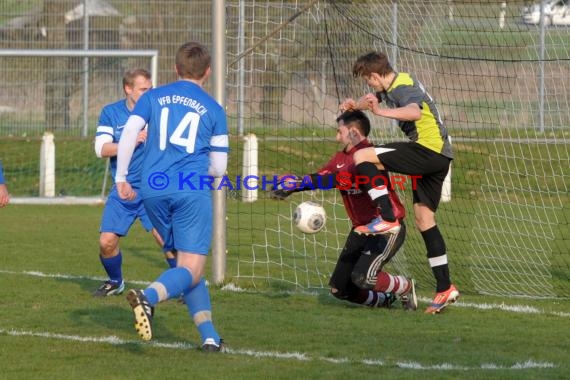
column 310, row 217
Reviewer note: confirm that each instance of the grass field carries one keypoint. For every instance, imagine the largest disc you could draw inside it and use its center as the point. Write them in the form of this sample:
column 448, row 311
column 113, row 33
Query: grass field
column 51, row 327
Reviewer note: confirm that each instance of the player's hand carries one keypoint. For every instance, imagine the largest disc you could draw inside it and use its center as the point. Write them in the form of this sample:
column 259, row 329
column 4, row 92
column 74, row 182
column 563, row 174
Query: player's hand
column 347, row 105
column 285, row 186
column 126, row 191
column 4, row 195
column 141, row 137
column 372, row 102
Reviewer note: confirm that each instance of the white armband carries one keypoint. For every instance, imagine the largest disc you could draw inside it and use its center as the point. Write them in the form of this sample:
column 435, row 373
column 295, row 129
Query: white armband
column 99, row 142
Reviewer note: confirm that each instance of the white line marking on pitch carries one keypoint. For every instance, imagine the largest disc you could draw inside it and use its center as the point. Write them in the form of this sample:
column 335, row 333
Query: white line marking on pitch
column 523, row 309
column 116, row 341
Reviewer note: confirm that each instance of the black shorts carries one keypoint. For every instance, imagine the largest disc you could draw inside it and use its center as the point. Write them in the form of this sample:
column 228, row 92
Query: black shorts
column 361, row 258
column 411, row 158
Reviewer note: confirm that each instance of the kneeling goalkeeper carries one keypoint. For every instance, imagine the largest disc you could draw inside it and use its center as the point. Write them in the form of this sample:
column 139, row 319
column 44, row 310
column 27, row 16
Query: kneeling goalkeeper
column 358, row 276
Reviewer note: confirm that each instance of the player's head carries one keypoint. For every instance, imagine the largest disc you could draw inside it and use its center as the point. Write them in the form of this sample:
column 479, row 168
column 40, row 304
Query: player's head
column 355, row 120
column 193, row 61
column 372, row 63
column 135, row 83
column 375, row 69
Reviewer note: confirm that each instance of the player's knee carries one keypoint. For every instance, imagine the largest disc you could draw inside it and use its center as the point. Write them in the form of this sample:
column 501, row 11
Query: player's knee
column 424, row 222
column 359, row 279
column 108, row 246
column 424, row 217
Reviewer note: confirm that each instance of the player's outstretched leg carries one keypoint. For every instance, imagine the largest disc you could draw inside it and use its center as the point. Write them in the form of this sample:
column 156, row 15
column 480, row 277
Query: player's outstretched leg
column 143, row 313
column 442, row 299
column 171, row 283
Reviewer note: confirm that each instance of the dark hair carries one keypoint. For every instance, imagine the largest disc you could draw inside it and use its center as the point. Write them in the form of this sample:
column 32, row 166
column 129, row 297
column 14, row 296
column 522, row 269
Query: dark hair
column 130, row 75
column 192, row 60
column 372, row 63
column 358, row 119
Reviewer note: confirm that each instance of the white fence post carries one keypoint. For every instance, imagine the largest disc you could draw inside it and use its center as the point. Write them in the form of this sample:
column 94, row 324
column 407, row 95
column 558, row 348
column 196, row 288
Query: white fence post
column 47, row 166
column 502, row 15
column 250, row 153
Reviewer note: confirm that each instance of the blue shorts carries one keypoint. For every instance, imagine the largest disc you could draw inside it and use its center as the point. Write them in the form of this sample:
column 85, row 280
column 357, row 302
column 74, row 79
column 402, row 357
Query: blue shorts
column 184, row 220
column 119, row 215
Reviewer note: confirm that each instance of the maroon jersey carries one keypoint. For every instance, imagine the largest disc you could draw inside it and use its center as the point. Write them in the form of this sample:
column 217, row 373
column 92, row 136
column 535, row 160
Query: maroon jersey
column 359, row 207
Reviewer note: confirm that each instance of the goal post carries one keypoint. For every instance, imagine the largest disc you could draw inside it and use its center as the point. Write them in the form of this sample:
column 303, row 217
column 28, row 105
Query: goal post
column 74, row 175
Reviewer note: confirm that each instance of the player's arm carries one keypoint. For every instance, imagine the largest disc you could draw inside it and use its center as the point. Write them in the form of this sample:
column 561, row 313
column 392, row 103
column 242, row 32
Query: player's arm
column 355, row 105
column 289, row 184
column 325, row 179
column 219, row 145
column 125, row 150
column 218, row 164
column 408, row 104
column 105, row 147
column 409, row 112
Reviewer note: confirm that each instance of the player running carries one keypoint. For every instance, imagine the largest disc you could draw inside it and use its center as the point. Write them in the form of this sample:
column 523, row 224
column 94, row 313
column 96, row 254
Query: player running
column 118, row 214
column 358, row 276
column 187, row 140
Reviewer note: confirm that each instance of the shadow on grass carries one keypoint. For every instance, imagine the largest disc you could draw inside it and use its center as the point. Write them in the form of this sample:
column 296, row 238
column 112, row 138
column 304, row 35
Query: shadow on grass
column 119, row 320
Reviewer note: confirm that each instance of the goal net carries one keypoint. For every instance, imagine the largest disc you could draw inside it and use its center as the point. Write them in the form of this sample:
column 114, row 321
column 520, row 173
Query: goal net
column 502, row 87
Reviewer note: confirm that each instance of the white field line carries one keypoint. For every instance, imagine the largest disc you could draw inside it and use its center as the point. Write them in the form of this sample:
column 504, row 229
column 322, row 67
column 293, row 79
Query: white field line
column 523, row 309
column 116, row 341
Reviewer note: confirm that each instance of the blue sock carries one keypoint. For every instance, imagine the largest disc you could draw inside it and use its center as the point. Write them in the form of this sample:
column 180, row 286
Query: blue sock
column 171, row 283
column 171, row 262
column 198, row 303
column 114, row 267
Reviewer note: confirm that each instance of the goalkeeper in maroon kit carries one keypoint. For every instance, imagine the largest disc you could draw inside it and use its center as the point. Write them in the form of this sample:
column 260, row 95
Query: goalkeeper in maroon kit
column 358, row 276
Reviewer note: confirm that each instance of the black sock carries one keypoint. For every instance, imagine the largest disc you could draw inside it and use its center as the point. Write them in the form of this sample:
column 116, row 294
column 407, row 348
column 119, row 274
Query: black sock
column 436, row 251
column 377, row 178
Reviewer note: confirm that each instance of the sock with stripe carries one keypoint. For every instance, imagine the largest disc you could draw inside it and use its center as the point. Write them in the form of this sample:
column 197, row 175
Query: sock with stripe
column 437, row 257
column 377, row 188
column 386, row 282
column 199, row 307
column 171, row 283
column 369, row 298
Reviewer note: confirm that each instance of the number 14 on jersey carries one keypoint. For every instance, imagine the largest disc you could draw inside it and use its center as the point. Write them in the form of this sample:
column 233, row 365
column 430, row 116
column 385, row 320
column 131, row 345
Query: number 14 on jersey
column 189, row 122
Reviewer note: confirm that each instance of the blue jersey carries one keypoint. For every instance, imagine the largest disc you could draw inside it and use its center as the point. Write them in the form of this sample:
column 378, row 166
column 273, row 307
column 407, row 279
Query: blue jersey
column 184, row 125
column 111, row 122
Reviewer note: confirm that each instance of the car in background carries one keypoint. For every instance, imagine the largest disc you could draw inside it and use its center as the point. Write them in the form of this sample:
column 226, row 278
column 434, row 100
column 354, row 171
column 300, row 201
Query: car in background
column 556, row 12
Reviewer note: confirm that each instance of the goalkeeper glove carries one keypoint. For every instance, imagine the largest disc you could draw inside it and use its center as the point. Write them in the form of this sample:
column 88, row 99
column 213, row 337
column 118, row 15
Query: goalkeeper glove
column 285, row 186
